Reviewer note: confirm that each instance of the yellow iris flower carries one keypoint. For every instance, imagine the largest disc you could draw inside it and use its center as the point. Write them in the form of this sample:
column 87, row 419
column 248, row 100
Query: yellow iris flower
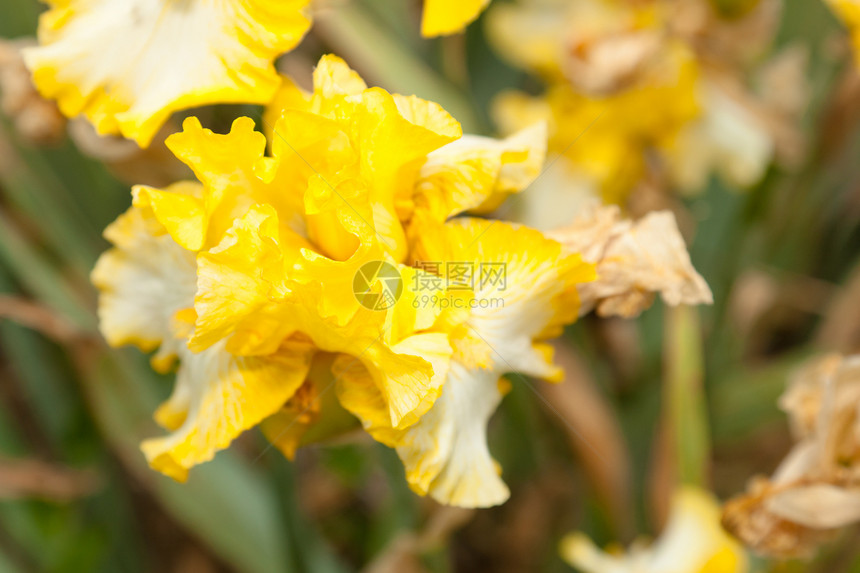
column 106, row 60
column 248, row 279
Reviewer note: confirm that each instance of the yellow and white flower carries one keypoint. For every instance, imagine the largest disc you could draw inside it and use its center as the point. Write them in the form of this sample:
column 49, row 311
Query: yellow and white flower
column 128, row 65
column 692, row 542
column 247, row 280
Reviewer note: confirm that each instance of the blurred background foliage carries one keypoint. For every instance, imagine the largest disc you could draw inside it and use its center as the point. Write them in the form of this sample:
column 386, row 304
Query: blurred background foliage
column 76, row 494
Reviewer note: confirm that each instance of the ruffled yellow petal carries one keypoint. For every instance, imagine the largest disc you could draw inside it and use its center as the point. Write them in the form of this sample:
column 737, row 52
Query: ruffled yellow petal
column 333, row 77
column 179, row 209
column 399, row 147
column 406, row 374
column 524, row 288
column 231, row 167
column 344, row 130
column 360, row 392
column 128, row 65
column 223, row 395
column 443, row 17
column 477, row 173
column 233, row 298
column 429, row 115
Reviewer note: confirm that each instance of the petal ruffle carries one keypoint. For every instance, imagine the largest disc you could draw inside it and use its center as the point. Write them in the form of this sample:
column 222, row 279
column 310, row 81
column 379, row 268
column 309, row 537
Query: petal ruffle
column 218, row 396
column 446, row 453
column 478, row 173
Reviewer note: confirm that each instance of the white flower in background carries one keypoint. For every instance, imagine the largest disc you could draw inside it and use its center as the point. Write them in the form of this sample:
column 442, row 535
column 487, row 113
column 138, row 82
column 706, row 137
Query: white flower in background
column 691, row 542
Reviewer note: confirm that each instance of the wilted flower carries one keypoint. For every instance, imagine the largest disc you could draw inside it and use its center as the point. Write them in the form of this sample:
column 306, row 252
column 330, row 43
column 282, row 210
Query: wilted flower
column 692, row 542
column 634, row 261
column 128, row 65
column 816, row 489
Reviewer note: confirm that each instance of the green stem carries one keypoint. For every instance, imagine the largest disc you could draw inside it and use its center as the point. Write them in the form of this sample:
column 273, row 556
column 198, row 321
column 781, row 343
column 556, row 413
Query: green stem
column 685, row 413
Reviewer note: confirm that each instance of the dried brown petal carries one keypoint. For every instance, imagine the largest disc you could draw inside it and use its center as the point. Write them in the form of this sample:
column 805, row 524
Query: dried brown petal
column 635, row 260
column 748, row 518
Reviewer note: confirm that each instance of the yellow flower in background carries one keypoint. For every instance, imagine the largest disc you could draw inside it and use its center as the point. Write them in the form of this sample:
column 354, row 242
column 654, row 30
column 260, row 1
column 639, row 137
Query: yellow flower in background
column 126, row 66
column 443, row 17
column 248, row 279
column 618, row 130
column 613, row 78
column 691, row 542
column 598, row 45
column 628, row 78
